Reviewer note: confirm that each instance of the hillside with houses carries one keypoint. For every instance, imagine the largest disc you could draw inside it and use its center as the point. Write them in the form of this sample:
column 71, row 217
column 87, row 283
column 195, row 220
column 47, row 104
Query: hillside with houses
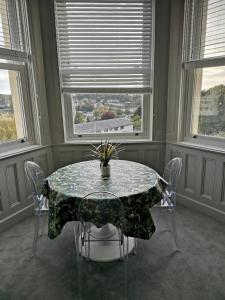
column 212, row 111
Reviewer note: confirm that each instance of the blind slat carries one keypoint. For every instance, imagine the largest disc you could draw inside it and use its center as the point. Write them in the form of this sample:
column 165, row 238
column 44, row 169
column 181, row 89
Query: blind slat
column 104, row 44
column 10, row 29
column 206, row 37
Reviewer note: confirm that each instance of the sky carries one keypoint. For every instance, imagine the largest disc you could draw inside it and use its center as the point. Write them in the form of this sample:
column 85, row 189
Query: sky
column 213, row 76
column 4, row 79
column 214, row 43
column 4, row 82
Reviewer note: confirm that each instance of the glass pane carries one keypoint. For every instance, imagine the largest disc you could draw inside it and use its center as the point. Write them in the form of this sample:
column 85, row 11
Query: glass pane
column 208, row 29
column 107, row 113
column 213, row 38
column 209, row 104
column 11, row 121
column 10, row 31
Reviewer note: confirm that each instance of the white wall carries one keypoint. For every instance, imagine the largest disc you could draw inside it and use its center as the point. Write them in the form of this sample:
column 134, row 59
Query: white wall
column 151, row 154
column 15, row 195
column 202, row 182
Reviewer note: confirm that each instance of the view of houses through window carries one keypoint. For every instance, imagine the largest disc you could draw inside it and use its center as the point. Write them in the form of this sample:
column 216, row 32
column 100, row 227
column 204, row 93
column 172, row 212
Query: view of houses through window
column 11, row 123
column 12, row 54
column 206, row 57
column 100, row 113
column 209, row 106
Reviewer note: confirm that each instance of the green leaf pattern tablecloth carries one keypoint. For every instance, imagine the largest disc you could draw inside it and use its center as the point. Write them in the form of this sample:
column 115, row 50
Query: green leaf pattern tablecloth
column 138, row 187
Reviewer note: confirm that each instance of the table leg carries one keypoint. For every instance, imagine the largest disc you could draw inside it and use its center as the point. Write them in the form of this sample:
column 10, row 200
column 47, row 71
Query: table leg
column 104, row 244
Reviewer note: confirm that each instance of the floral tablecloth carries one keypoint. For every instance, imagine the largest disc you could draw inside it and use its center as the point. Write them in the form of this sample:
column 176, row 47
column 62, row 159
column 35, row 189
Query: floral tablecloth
column 138, row 187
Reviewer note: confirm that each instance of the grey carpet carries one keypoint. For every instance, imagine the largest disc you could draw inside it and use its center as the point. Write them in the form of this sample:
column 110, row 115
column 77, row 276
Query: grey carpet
column 155, row 273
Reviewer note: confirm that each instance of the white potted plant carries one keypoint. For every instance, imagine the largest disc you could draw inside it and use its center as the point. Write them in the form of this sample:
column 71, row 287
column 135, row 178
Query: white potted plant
column 105, row 152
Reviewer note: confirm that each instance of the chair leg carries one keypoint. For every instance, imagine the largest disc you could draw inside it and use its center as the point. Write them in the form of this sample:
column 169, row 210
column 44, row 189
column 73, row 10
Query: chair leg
column 44, row 222
column 77, row 232
column 119, row 241
column 135, row 250
column 36, row 232
column 174, row 228
column 125, row 252
column 89, row 243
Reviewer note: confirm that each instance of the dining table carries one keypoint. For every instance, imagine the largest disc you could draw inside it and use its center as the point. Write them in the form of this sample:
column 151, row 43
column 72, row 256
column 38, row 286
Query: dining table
column 138, row 187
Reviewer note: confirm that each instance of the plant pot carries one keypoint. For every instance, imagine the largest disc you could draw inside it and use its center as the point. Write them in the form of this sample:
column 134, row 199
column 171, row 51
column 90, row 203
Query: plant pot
column 105, row 171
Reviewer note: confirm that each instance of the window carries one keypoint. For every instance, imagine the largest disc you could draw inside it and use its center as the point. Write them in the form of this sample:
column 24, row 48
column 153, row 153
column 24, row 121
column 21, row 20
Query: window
column 204, row 64
column 15, row 120
column 105, row 65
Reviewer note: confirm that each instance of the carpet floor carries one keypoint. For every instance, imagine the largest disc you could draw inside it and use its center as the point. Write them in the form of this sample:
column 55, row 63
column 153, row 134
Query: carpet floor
column 157, row 272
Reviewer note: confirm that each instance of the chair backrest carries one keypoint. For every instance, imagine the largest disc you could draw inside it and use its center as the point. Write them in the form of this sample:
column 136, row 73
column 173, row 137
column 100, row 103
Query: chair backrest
column 101, row 208
column 35, row 176
column 172, row 172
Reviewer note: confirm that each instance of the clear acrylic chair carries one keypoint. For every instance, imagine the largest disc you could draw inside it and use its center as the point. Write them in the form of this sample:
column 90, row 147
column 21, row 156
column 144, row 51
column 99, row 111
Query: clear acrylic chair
column 109, row 205
column 171, row 175
column 36, row 178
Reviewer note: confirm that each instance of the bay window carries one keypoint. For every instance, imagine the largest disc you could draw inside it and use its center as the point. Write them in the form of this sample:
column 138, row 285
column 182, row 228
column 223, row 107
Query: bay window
column 15, row 110
column 204, row 65
column 105, row 54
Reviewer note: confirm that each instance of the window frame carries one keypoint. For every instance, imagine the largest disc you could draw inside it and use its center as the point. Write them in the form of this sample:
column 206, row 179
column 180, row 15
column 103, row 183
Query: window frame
column 21, row 62
column 147, row 113
column 188, row 83
column 147, row 119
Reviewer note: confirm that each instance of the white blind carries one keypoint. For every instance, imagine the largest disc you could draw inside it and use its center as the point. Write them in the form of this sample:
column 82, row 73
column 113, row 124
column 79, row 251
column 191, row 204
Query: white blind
column 10, row 27
column 206, row 32
column 104, row 45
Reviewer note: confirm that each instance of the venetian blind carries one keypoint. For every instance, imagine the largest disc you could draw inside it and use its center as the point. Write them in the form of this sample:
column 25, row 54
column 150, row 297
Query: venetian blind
column 104, row 45
column 206, row 30
column 10, row 27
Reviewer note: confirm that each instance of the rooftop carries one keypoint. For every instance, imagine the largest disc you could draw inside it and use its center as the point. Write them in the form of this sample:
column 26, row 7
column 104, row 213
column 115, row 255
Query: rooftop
column 99, row 126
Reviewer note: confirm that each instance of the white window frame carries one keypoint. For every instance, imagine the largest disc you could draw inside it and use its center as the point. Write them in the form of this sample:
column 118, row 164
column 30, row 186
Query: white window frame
column 25, row 106
column 23, row 65
column 147, row 120
column 147, row 108
column 187, row 92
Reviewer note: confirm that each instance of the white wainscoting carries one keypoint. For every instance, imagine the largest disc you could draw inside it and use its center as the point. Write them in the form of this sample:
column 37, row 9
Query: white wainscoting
column 151, row 154
column 202, row 182
column 15, row 195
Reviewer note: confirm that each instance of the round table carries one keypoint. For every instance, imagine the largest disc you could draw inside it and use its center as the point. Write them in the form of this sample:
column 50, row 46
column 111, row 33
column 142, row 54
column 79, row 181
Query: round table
column 138, row 186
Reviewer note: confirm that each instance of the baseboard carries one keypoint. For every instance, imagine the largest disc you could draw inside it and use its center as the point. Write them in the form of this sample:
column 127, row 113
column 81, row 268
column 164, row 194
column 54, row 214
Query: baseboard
column 17, row 217
column 210, row 211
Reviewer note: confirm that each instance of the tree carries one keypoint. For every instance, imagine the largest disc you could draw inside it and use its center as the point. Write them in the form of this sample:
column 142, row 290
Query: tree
column 213, row 124
column 96, row 114
column 138, row 111
column 119, row 112
column 108, row 115
column 103, row 109
column 136, row 119
column 7, row 128
column 221, row 105
column 79, row 118
column 86, row 106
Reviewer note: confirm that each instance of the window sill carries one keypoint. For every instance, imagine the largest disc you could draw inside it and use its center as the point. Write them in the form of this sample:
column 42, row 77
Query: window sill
column 216, row 148
column 21, row 149
column 119, row 141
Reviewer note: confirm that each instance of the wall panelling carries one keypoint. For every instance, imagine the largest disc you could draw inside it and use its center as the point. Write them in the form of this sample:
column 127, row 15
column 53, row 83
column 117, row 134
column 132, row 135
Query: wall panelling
column 15, row 193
